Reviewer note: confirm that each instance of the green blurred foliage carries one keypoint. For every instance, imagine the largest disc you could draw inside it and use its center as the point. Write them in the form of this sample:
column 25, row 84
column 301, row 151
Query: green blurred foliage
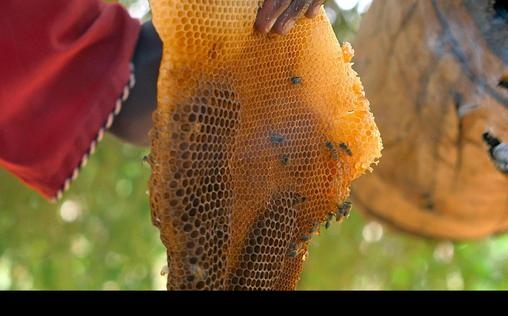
column 100, row 236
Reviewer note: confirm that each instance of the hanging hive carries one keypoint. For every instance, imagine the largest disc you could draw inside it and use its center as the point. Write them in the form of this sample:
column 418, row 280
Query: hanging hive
column 256, row 140
column 434, row 71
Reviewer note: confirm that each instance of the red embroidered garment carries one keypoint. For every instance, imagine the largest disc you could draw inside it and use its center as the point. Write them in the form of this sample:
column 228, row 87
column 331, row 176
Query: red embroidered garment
column 64, row 65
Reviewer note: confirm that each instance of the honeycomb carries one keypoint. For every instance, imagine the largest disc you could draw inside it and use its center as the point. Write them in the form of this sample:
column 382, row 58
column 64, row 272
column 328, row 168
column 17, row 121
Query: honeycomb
column 255, row 142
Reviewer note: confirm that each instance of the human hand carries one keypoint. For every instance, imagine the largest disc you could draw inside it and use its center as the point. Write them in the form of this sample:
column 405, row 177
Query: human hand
column 279, row 16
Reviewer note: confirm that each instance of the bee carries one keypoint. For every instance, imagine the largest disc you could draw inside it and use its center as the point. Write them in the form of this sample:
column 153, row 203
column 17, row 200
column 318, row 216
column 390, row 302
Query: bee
column 328, row 222
column 296, row 80
column 315, row 229
column 305, row 255
column 146, row 159
column 305, row 238
column 198, row 272
column 292, row 250
column 277, row 138
column 196, row 128
column 343, row 211
column 331, row 147
column 164, row 270
column 297, row 198
column 156, row 221
column 346, row 149
column 295, row 249
column 300, row 199
column 284, row 159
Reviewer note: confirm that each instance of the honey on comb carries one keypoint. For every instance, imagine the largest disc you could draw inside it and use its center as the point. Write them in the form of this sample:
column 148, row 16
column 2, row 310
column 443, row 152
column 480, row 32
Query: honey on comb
column 240, row 171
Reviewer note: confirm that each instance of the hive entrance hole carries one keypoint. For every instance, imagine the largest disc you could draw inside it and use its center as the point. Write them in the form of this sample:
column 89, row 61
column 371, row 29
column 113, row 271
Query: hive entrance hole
column 501, row 9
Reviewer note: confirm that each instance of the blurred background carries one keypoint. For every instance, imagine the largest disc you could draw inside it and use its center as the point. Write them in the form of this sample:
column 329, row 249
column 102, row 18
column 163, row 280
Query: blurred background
column 100, row 236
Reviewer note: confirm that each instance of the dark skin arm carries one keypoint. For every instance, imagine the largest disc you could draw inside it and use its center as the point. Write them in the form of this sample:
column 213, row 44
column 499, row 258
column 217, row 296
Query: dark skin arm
column 135, row 120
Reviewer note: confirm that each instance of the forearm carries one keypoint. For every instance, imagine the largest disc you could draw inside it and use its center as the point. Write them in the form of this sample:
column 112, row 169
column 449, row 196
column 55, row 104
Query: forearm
column 135, row 120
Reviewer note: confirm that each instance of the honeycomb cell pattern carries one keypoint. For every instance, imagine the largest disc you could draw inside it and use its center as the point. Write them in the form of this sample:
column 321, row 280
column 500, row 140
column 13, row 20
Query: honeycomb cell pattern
column 255, row 142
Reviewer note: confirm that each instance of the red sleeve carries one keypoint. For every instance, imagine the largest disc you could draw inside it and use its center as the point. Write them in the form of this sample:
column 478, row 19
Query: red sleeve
column 64, row 67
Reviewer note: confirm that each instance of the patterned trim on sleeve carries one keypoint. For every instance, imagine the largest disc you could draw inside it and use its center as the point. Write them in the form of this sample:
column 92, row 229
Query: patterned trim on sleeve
column 107, row 124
